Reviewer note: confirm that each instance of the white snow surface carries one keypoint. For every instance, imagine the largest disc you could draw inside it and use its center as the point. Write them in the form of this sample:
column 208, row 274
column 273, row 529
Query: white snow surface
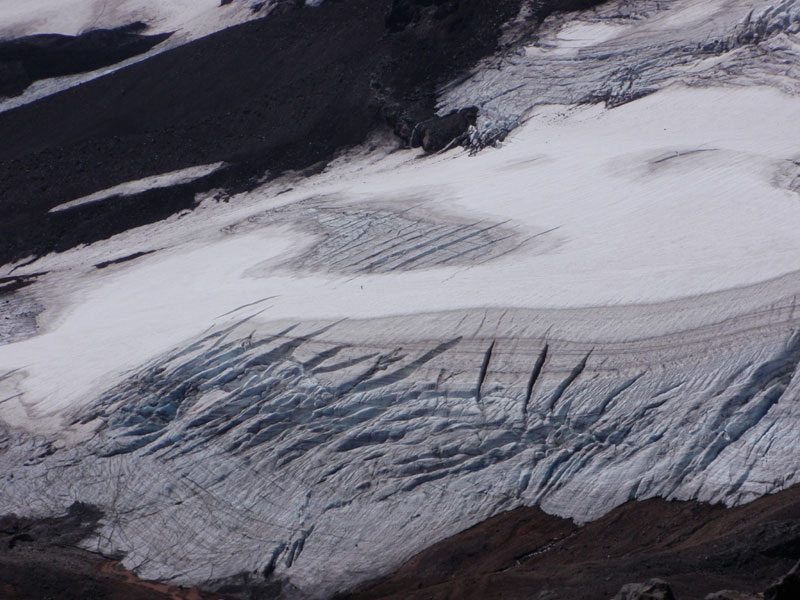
column 130, row 188
column 600, row 309
column 608, row 207
column 621, row 50
column 193, row 18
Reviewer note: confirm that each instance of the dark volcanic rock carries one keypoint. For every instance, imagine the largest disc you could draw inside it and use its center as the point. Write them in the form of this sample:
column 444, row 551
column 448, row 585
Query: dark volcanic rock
column 732, row 595
column 788, row 588
column 68, row 530
column 116, row 261
column 28, row 59
column 654, row 589
column 12, row 284
column 438, row 132
column 40, row 560
column 432, row 133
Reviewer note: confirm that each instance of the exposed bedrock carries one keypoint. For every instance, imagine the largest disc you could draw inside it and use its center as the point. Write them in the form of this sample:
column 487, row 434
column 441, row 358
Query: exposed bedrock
column 296, row 451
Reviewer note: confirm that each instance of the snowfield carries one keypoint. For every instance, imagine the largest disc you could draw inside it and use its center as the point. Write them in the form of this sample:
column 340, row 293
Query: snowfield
column 603, row 208
column 194, row 18
column 149, row 183
column 601, row 308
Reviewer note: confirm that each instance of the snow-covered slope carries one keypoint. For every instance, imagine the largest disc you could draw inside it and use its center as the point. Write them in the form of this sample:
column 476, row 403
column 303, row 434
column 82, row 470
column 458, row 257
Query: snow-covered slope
column 623, row 50
column 315, row 380
column 193, row 18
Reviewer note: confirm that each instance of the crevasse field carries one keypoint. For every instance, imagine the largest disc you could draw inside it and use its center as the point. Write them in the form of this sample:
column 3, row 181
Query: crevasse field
column 602, row 307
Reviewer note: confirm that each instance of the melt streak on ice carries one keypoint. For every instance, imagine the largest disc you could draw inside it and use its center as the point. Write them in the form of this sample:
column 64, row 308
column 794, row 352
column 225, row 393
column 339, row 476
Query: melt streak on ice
column 600, row 309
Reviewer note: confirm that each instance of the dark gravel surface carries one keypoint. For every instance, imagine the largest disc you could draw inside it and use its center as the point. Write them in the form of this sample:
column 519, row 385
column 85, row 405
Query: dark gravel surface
column 40, row 560
column 29, row 59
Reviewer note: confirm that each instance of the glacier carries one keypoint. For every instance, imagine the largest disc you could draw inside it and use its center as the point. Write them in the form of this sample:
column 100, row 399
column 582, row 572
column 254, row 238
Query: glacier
column 307, row 384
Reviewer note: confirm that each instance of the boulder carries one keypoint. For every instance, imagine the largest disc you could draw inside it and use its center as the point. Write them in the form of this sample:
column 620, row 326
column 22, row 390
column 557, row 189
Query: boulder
column 653, row 589
column 437, row 133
